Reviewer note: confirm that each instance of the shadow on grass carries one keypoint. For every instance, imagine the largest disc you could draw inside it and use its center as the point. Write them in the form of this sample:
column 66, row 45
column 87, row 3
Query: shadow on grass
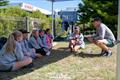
column 56, row 55
column 87, row 55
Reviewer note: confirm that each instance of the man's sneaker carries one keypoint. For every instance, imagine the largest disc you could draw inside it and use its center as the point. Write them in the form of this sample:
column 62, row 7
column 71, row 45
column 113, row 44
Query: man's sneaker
column 108, row 53
column 116, row 42
column 103, row 53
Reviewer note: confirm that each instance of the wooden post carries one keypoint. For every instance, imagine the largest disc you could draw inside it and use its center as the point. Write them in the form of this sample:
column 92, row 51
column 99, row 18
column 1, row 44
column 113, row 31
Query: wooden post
column 27, row 26
column 27, row 23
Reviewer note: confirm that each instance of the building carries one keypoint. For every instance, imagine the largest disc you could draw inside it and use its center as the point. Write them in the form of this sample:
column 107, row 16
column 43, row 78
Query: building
column 69, row 15
column 69, row 18
column 29, row 7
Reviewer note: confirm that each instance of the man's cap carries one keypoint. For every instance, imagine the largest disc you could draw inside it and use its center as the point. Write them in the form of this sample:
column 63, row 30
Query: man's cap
column 96, row 19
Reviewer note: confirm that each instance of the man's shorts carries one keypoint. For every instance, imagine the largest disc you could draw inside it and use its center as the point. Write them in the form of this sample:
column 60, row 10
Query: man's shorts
column 110, row 43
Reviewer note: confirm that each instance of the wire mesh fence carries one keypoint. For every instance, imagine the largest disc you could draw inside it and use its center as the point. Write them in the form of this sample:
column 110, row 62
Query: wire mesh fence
column 9, row 24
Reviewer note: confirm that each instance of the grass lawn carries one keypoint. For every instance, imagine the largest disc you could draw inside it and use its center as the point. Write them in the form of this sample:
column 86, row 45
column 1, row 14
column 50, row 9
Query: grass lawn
column 63, row 65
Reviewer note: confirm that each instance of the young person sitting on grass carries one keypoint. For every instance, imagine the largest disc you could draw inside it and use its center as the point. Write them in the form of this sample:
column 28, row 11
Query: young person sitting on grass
column 11, row 55
column 25, row 48
column 76, row 40
column 44, row 44
column 104, row 37
column 36, row 43
column 49, row 37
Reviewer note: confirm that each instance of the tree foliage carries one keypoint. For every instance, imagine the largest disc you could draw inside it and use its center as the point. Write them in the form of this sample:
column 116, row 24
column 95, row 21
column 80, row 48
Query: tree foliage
column 3, row 2
column 14, row 18
column 106, row 9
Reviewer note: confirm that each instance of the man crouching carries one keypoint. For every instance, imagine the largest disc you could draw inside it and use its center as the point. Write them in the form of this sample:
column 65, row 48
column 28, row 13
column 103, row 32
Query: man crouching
column 103, row 38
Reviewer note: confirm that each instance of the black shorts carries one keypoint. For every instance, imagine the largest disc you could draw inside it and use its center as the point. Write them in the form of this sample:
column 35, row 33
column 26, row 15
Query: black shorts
column 41, row 51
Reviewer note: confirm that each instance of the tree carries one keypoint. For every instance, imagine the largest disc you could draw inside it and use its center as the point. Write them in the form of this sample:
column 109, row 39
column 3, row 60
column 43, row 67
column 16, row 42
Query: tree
column 106, row 9
column 15, row 18
column 3, row 2
column 44, row 22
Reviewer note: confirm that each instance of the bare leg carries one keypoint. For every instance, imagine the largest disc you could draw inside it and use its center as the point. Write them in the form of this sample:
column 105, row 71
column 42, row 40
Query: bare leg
column 102, row 45
column 22, row 63
column 99, row 43
column 76, row 48
column 72, row 45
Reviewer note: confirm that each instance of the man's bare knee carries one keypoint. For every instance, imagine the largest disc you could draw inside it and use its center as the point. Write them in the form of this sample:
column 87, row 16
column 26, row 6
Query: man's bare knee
column 98, row 42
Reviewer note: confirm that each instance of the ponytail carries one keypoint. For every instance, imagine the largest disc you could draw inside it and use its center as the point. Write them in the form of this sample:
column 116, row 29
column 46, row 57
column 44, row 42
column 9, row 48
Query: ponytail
column 10, row 44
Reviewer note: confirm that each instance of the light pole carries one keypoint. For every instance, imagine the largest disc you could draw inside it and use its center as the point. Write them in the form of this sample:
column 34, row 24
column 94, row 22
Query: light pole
column 118, row 46
column 53, row 26
column 53, row 19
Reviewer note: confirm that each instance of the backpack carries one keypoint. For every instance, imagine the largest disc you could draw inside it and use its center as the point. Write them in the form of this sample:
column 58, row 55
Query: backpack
column 3, row 40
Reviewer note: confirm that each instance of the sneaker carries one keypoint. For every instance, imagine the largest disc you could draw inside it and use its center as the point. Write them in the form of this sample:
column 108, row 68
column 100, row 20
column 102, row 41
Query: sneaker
column 48, row 53
column 108, row 53
column 103, row 53
column 116, row 42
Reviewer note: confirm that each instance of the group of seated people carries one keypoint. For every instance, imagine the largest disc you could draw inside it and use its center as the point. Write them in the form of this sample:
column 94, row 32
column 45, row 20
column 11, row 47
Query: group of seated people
column 19, row 51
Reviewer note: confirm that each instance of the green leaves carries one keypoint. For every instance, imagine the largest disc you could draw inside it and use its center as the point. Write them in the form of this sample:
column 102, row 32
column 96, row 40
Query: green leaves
column 106, row 9
column 15, row 18
column 3, row 2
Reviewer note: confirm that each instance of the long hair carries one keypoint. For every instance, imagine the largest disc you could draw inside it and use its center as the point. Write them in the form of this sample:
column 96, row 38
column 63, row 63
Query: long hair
column 17, row 34
column 11, row 42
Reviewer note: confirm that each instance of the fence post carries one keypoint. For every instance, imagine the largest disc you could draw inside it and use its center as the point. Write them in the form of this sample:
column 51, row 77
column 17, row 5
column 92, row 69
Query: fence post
column 54, row 25
column 72, row 26
column 27, row 23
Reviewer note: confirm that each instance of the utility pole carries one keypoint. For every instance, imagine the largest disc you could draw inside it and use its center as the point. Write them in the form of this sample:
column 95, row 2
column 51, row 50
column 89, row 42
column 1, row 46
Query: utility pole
column 118, row 46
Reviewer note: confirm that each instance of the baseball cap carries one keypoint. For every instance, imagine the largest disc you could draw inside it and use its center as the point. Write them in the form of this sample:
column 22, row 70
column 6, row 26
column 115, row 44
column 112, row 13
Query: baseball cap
column 96, row 19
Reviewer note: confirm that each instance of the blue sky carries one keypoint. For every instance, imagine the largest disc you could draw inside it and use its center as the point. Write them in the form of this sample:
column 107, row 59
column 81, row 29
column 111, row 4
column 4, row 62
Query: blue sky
column 47, row 5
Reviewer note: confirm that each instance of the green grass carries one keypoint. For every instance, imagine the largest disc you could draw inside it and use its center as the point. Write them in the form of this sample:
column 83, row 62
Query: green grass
column 63, row 65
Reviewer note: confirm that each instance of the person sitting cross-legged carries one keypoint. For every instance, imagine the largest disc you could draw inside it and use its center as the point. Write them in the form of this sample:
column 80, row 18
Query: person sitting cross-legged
column 76, row 40
column 44, row 39
column 11, row 55
column 25, row 47
column 49, row 37
column 36, row 43
column 103, row 38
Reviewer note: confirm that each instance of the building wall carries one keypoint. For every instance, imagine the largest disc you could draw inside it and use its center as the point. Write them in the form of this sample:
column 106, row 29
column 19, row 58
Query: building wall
column 70, row 16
